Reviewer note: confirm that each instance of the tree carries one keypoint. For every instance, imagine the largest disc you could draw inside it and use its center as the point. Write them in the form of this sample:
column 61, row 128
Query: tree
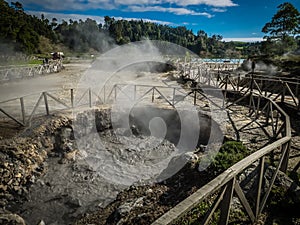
column 17, row 6
column 286, row 22
column 283, row 30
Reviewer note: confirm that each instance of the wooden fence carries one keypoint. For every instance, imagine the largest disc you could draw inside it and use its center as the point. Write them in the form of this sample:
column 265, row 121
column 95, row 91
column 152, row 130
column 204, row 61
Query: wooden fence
column 46, row 103
column 25, row 71
column 263, row 111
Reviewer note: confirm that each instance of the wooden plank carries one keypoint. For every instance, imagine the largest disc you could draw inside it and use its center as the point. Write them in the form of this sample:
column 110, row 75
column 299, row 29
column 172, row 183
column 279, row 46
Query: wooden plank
column 23, row 110
column 264, row 200
column 147, row 92
column 286, row 156
column 82, row 96
column 46, row 103
column 35, row 107
column 124, row 93
column 226, row 203
column 90, row 97
column 214, row 206
column 194, row 199
column 244, row 201
column 98, row 98
column 259, row 186
column 291, row 93
column 11, row 117
column 72, row 97
column 59, row 101
column 164, row 97
column 190, row 202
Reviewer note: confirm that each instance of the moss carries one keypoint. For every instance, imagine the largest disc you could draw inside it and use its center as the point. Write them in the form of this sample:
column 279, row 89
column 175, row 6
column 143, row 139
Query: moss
column 230, row 153
column 283, row 207
column 294, row 175
column 197, row 214
column 238, row 217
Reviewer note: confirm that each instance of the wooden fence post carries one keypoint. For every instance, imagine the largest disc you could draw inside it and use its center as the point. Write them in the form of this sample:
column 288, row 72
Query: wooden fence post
column 46, row 102
column 90, row 98
column 23, row 110
column 226, row 202
column 72, row 98
column 104, row 94
column 238, row 82
column 153, row 94
column 173, row 100
column 286, row 149
column 283, row 93
column 259, row 186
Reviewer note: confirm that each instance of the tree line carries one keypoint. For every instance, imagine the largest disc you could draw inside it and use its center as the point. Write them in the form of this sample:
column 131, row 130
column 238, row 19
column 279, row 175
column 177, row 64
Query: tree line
column 24, row 31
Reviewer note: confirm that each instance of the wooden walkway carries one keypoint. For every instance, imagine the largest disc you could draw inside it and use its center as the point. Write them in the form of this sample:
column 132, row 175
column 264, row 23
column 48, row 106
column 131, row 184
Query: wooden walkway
column 261, row 95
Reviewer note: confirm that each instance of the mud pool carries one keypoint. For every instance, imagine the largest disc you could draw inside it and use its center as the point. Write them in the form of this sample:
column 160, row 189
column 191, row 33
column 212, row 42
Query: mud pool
column 70, row 189
column 87, row 170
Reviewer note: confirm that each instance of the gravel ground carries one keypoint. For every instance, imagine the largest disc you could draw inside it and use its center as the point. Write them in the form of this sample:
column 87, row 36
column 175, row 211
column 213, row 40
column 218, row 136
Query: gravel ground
column 71, row 192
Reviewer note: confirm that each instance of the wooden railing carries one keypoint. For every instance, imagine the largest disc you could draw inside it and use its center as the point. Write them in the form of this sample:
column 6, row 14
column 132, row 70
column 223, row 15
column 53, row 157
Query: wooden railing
column 263, row 111
column 25, row 71
column 22, row 110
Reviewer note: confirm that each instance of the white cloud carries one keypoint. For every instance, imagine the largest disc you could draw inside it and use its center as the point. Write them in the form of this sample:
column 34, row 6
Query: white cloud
column 218, row 10
column 215, row 3
column 138, row 2
column 176, row 11
column 98, row 19
column 82, row 5
column 71, row 4
column 248, row 39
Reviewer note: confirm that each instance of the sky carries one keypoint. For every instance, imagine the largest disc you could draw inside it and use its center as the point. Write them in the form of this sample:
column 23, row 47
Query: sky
column 233, row 19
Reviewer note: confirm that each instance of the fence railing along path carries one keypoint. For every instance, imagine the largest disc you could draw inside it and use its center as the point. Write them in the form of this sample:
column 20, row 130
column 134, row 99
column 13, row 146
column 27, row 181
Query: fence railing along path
column 263, row 111
column 26, row 71
column 283, row 89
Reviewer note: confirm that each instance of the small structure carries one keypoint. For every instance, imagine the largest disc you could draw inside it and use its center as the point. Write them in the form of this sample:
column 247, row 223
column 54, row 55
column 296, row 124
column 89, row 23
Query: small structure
column 57, row 55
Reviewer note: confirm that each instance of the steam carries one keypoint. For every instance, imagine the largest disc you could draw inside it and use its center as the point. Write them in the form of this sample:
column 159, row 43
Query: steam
column 86, row 35
column 122, row 65
column 8, row 53
column 258, row 66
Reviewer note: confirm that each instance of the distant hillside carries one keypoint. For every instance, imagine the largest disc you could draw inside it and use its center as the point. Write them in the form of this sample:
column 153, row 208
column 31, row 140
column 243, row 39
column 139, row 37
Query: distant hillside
column 29, row 34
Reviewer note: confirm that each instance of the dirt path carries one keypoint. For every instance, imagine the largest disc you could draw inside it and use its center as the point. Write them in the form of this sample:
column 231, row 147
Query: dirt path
column 64, row 79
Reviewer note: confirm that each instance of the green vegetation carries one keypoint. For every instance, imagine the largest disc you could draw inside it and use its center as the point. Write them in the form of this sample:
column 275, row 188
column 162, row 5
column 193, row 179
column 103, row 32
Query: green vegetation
column 283, row 207
column 31, row 35
column 22, row 30
column 197, row 214
column 283, row 31
column 230, row 153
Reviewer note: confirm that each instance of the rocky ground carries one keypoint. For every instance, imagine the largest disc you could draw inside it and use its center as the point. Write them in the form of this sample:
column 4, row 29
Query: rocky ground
column 48, row 182
column 44, row 178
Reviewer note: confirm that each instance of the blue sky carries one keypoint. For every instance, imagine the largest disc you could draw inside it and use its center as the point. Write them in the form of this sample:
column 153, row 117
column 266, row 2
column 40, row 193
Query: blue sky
column 233, row 19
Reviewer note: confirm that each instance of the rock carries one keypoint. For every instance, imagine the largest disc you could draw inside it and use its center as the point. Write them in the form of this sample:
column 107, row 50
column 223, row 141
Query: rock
column 149, row 191
column 135, row 131
column 125, row 208
column 175, row 164
column 41, row 223
column 248, row 181
column 73, row 202
column 7, row 217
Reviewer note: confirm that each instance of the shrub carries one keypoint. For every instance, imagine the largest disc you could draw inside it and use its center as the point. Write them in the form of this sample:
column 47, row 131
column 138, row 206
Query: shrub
column 230, row 153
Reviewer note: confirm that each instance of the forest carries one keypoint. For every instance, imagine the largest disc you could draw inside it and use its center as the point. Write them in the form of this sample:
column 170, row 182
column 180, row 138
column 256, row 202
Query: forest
column 32, row 35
